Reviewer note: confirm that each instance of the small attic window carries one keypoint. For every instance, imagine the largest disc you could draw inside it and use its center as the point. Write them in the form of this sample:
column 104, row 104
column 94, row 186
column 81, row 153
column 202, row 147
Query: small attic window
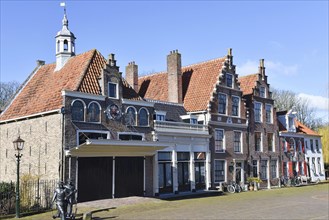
column 113, row 90
column 66, row 45
column 229, row 80
column 262, row 92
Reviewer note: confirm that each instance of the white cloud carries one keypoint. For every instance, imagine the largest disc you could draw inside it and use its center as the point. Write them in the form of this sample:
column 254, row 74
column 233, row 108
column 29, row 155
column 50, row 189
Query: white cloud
column 249, row 67
column 318, row 102
column 272, row 67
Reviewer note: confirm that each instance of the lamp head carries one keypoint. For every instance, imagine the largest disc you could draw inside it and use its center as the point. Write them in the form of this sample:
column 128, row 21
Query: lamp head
column 18, row 144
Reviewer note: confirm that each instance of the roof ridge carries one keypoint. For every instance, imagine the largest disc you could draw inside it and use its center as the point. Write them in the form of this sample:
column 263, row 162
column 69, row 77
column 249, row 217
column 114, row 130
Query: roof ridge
column 86, row 68
column 203, row 62
column 248, row 75
column 183, row 67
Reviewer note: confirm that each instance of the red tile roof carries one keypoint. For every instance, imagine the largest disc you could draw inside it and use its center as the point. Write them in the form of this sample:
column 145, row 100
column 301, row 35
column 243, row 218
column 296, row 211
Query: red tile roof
column 302, row 128
column 42, row 93
column 248, row 83
column 198, row 82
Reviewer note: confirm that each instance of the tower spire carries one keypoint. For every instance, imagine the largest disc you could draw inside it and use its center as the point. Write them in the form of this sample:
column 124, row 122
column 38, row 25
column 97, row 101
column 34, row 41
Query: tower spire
column 65, row 42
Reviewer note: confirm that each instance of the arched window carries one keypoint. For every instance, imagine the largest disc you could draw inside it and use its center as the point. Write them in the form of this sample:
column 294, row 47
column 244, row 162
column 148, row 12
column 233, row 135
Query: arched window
column 143, row 117
column 78, row 110
column 94, row 112
column 66, row 45
column 131, row 116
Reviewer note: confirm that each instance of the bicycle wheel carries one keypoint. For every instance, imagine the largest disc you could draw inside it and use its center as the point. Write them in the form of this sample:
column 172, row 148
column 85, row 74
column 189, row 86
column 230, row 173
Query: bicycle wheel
column 238, row 188
column 230, row 189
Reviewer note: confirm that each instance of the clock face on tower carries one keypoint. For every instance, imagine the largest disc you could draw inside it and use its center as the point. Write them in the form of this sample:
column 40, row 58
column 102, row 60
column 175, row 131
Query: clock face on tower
column 113, row 112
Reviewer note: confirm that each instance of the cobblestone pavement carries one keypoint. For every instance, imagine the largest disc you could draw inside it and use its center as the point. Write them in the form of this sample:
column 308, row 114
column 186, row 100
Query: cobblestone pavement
column 307, row 202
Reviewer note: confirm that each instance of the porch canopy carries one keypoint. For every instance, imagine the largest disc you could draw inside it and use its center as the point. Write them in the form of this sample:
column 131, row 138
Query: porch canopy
column 108, row 147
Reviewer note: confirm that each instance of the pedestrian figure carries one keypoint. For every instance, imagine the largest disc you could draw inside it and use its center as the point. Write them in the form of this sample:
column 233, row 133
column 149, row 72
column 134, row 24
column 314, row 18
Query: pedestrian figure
column 61, row 203
column 70, row 197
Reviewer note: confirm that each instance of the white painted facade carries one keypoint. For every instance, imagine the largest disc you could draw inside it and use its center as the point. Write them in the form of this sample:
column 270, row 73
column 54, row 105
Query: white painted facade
column 314, row 158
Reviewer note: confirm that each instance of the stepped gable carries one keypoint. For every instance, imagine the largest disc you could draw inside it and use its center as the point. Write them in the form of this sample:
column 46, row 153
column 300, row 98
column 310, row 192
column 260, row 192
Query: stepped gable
column 42, row 92
column 198, row 82
column 248, row 83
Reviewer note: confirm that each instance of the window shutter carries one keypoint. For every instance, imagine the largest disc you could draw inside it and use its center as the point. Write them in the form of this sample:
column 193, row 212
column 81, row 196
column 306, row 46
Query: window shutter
column 305, row 168
column 290, row 169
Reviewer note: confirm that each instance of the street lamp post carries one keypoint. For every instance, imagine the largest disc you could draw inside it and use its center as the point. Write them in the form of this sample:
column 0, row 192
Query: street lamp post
column 18, row 146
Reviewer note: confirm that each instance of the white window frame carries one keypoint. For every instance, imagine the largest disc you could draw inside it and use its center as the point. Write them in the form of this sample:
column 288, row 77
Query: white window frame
column 223, row 141
column 271, row 115
column 273, row 142
column 260, row 113
column 239, row 101
column 241, row 142
column 92, row 131
column 116, row 90
column 133, row 133
column 225, row 103
column 261, row 141
column 260, row 91
column 226, row 76
column 160, row 113
column 84, row 108
column 225, row 170
column 100, row 112
column 148, row 117
column 135, row 116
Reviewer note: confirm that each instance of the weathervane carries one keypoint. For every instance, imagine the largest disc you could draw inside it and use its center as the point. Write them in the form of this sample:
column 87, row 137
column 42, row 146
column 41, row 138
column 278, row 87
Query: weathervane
column 62, row 4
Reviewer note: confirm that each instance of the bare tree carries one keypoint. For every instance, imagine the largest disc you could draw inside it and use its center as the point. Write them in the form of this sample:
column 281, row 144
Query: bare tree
column 286, row 100
column 7, row 91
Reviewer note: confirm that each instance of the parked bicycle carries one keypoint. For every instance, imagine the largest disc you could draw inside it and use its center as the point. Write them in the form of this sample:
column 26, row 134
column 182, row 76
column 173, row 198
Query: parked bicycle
column 233, row 187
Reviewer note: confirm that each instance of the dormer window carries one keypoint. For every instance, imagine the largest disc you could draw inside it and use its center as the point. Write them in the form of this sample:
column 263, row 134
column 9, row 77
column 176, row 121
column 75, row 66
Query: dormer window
column 262, row 92
column 229, row 80
column 160, row 116
column 291, row 123
column 194, row 121
column 113, row 90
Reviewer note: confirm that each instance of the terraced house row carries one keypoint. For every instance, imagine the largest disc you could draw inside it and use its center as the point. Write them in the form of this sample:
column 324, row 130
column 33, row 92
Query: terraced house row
column 189, row 128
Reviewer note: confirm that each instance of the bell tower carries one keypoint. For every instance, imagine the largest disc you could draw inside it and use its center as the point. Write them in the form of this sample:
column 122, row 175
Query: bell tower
column 65, row 43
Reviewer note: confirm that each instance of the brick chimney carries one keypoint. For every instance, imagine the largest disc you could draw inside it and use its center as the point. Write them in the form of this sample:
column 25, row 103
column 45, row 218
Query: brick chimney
column 174, row 70
column 132, row 75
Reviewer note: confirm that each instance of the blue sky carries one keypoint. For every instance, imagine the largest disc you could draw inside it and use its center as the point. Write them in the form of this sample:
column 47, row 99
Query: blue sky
column 292, row 37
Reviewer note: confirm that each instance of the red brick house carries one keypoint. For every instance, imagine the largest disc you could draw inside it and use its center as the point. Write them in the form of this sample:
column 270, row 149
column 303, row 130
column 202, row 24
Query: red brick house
column 263, row 152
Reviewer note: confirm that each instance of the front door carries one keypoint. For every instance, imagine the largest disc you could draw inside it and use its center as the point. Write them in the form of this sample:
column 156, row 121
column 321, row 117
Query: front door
column 129, row 176
column 238, row 170
column 165, row 177
column 94, row 178
column 199, row 170
column 183, row 176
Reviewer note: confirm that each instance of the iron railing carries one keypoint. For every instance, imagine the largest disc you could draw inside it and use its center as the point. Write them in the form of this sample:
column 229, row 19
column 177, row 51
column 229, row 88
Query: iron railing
column 35, row 195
